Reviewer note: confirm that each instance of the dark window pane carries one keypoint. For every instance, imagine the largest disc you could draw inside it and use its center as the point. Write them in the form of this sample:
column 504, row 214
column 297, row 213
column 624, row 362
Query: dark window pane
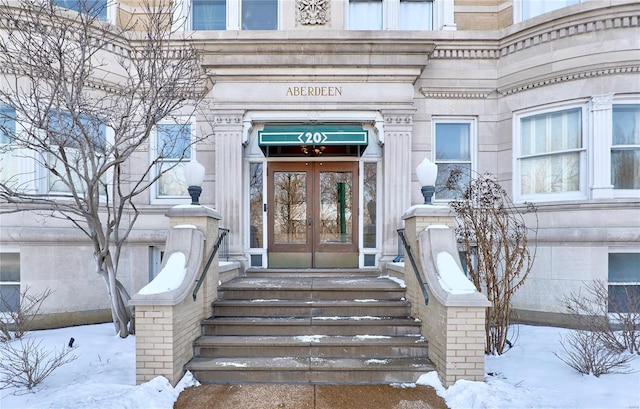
column 624, row 267
column 9, row 298
column 255, row 205
column 624, row 298
column 10, row 267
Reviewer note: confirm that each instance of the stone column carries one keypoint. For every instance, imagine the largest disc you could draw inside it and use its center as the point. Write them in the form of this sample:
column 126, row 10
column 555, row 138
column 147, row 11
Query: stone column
column 602, row 112
column 396, row 177
column 229, row 183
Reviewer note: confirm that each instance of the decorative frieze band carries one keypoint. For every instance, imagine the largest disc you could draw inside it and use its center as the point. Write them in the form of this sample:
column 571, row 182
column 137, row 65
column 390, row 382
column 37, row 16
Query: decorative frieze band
column 569, row 77
column 552, row 33
column 456, row 94
column 228, row 120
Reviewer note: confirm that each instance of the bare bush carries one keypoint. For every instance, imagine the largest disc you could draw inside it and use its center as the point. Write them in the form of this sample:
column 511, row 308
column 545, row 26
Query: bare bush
column 495, row 241
column 615, row 321
column 28, row 364
column 17, row 323
column 586, row 352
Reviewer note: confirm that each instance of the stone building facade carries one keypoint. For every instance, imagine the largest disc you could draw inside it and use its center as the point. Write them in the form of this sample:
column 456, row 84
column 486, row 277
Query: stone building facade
column 325, row 108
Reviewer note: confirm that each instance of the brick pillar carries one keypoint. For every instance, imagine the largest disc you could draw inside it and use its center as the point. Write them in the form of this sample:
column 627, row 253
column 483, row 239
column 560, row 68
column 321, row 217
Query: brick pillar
column 452, row 322
column 167, row 323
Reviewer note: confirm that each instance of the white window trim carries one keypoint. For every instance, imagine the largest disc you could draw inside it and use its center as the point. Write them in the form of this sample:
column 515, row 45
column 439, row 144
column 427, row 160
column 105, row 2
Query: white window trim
column 473, row 141
column 233, row 15
column 155, row 198
column 442, row 15
column 581, row 194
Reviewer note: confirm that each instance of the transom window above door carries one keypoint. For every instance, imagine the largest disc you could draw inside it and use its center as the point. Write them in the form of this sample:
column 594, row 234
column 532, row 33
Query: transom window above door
column 232, row 14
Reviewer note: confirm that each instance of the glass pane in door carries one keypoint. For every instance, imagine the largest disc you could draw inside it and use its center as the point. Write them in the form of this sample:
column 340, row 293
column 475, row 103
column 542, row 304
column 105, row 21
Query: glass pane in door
column 336, row 207
column 290, row 207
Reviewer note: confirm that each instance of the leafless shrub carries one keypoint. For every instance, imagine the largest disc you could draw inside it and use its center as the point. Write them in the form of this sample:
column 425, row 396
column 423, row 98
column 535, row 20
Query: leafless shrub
column 17, row 323
column 28, row 364
column 615, row 321
column 587, row 352
column 494, row 238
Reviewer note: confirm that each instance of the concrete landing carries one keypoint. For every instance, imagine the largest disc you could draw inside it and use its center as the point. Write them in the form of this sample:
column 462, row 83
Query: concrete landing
column 251, row 396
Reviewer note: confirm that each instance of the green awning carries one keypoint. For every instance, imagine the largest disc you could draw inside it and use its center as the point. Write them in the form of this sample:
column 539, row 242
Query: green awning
column 292, row 135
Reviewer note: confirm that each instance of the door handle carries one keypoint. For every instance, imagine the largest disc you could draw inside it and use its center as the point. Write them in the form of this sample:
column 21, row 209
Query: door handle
column 309, row 222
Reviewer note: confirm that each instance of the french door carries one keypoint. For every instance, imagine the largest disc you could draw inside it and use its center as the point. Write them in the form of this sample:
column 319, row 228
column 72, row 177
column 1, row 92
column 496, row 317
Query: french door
column 312, row 214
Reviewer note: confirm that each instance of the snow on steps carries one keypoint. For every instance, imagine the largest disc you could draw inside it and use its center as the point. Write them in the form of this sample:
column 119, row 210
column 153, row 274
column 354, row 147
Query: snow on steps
column 310, row 328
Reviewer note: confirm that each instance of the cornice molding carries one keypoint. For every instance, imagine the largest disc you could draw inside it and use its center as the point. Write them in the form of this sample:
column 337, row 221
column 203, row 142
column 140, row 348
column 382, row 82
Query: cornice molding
column 596, row 72
column 451, row 93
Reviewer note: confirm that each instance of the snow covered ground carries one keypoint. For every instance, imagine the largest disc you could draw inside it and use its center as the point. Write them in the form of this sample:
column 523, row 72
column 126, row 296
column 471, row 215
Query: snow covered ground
column 528, row 376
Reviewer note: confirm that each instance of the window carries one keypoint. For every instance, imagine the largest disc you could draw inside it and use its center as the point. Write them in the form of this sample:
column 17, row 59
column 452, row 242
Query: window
column 173, row 148
column 62, row 130
column 9, row 163
column 625, row 147
column 453, row 148
column 415, row 15
column 259, row 14
column 96, row 8
column 525, row 9
column 365, row 14
column 7, row 124
column 550, row 154
column 9, row 282
column 209, row 14
column 256, row 208
column 391, row 14
column 624, row 282
column 233, row 14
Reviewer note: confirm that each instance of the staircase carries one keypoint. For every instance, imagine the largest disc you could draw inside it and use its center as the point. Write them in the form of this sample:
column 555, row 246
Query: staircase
column 312, row 326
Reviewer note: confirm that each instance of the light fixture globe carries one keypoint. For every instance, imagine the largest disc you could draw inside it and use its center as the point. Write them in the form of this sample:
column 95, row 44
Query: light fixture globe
column 194, row 176
column 427, row 173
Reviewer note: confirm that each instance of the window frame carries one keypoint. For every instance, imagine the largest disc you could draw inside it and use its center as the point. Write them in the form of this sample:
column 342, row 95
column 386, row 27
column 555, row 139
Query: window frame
column 581, row 193
column 618, row 192
column 441, row 13
column 619, row 283
column 155, row 196
column 473, row 146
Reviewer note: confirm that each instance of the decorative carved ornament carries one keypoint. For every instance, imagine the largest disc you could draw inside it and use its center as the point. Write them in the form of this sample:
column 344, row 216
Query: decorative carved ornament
column 312, row 11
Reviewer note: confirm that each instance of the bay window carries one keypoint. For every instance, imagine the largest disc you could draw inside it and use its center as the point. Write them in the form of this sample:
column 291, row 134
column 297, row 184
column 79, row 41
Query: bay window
column 625, row 146
column 550, row 155
column 453, row 147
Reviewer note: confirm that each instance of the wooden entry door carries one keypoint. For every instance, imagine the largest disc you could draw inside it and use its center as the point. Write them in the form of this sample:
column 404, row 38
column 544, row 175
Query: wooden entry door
column 312, row 214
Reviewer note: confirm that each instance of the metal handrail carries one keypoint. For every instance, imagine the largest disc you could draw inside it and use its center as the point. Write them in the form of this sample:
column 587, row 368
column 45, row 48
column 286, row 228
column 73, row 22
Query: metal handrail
column 222, row 234
column 407, row 248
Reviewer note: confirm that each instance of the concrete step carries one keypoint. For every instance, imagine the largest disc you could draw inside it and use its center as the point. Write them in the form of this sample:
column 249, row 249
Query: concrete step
column 313, row 272
column 311, row 288
column 315, row 370
column 328, row 346
column 310, row 326
column 327, row 309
